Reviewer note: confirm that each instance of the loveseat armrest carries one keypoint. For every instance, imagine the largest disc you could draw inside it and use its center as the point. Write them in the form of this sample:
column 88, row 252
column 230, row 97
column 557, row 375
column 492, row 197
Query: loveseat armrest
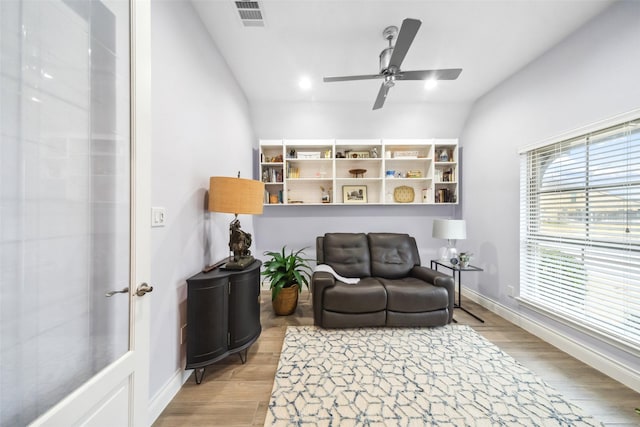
column 437, row 278
column 320, row 280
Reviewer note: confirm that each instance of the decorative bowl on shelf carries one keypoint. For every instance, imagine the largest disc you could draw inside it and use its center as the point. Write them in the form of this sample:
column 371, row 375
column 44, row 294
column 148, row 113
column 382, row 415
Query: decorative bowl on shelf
column 404, row 194
column 357, row 173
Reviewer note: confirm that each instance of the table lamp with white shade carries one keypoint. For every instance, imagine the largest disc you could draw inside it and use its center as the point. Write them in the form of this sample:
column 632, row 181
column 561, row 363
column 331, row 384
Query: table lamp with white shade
column 450, row 229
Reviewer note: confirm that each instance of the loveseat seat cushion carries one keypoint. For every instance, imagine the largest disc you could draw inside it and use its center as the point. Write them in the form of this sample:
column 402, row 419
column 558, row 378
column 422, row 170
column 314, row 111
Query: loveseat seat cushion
column 411, row 295
column 366, row 296
column 347, row 253
column 393, row 255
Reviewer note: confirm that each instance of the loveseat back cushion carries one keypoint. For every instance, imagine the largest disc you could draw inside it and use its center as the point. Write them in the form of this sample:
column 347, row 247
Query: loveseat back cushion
column 393, row 255
column 347, row 253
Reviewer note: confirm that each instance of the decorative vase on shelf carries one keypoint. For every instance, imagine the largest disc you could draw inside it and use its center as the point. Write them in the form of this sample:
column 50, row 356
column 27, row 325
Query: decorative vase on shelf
column 444, row 156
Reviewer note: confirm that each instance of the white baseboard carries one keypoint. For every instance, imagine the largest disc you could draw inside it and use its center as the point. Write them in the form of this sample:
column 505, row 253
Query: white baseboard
column 166, row 394
column 588, row 355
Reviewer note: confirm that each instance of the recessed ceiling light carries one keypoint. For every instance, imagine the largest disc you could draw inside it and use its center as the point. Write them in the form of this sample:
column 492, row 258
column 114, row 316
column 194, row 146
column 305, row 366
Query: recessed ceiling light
column 304, row 83
column 430, row 84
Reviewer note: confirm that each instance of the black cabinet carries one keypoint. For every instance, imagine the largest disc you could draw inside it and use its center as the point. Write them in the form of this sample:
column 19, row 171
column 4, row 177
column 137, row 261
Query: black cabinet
column 223, row 315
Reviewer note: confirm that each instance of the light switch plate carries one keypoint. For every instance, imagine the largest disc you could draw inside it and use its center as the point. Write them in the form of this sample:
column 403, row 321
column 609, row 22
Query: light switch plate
column 158, row 217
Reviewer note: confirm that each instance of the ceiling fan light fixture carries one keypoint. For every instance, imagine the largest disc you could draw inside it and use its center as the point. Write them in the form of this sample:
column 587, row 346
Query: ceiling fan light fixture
column 390, row 81
column 391, row 61
column 430, row 84
column 304, row 83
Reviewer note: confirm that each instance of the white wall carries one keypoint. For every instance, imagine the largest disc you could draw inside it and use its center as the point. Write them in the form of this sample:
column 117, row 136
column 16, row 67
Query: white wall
column 298, row 226
column 357, row 120
column 590, row 76
column 200, row 128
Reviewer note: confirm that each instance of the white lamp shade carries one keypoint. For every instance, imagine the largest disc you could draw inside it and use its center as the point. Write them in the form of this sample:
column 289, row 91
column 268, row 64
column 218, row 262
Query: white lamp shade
column 450, row 229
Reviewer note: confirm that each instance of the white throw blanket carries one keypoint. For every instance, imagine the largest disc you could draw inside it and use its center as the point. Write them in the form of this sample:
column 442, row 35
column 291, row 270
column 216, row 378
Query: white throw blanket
column 328, row 269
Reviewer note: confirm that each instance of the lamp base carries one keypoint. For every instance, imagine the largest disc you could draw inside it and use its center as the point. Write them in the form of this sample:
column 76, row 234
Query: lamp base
column 447, row 252
column 242, row 263
column 452, row 252
column 442, row 253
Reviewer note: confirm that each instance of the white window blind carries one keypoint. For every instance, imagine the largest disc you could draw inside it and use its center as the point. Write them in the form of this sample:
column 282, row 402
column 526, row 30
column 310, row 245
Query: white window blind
column 580, row 231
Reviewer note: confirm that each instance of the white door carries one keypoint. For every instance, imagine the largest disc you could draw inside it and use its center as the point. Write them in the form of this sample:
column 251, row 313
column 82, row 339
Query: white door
column 74, row 212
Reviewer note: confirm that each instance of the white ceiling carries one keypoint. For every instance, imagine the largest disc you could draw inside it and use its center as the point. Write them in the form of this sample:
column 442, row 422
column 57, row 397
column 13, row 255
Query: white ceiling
column 489, row 40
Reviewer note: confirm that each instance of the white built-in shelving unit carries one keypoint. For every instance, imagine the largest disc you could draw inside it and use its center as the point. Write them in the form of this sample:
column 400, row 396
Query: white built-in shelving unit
column 359, row 171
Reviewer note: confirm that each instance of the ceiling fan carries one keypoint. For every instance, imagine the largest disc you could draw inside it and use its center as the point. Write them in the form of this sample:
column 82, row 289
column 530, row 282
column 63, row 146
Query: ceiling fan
column 391, row 58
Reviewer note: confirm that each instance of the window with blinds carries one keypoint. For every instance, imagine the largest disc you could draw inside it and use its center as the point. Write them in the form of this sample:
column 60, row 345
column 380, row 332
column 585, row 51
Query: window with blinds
column 580, row 231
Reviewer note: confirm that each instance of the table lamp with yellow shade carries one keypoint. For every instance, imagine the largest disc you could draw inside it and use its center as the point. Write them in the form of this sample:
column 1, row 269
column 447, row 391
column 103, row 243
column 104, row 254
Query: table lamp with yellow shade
column 236, row 196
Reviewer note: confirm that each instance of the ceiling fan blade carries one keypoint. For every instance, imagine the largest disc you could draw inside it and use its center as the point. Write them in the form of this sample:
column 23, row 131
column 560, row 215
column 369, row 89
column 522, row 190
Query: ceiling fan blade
column 382, row 96
column 405, row 38
column 347, row 78
column 444, row 74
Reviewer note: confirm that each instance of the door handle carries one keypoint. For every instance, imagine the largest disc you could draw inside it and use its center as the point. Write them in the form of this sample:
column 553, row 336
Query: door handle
column 143, row 289
column 121, row 291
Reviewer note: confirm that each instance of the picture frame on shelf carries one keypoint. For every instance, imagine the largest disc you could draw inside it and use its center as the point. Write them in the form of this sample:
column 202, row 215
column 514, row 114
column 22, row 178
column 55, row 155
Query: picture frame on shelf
column 354, row 194
column 358, row 155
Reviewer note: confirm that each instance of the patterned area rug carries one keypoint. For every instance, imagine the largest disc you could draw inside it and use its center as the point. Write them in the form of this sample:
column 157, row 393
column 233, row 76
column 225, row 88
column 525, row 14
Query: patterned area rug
column 447, row 376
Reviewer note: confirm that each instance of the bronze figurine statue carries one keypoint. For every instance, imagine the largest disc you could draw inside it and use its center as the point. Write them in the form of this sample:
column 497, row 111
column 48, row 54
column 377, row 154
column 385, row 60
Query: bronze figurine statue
column 239, row 243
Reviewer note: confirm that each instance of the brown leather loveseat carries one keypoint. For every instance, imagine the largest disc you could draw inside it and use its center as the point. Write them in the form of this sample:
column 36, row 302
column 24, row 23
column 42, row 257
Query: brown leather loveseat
column 394, row 290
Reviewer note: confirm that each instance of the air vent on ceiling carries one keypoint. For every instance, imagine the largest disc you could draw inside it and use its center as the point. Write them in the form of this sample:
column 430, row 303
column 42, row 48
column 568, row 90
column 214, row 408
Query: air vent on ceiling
column 250, row 13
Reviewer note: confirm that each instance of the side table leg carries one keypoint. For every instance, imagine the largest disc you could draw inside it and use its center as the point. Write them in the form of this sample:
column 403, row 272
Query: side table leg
column 460, row 296
column 459, row 286
column 471, row 314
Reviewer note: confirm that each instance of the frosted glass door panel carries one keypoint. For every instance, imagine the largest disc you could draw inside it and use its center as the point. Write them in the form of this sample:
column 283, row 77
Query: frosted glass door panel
column 64, row 198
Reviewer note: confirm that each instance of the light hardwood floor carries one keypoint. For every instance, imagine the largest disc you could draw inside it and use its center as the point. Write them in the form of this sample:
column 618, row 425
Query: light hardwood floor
column 233, row 394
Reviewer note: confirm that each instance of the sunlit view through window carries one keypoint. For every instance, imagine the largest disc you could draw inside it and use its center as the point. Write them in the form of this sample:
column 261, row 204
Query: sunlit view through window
column 580, row 230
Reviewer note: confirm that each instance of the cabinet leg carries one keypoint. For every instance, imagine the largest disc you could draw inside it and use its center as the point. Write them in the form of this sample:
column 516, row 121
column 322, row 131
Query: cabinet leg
column 243, row 359
column 195, row 374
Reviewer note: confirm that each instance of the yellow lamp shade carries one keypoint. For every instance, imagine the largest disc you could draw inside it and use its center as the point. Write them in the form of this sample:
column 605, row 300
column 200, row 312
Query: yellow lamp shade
column 235, row 195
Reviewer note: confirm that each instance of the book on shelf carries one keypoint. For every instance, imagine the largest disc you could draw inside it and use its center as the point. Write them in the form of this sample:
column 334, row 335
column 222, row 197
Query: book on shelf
column 293, row 172
column 270, row 175
column 442, row 196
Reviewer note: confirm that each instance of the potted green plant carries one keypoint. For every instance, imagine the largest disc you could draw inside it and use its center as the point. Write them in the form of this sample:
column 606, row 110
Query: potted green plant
column 286, row 274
